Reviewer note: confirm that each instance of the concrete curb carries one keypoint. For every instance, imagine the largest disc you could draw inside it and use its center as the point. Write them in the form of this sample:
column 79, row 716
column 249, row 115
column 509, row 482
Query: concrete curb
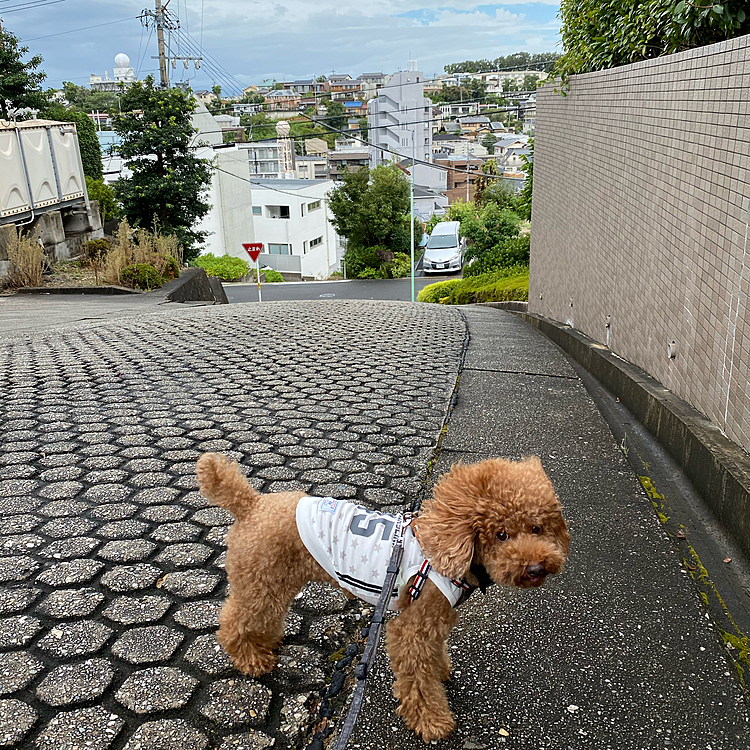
column 718, row 468
column 192, row 286
column 109, row 289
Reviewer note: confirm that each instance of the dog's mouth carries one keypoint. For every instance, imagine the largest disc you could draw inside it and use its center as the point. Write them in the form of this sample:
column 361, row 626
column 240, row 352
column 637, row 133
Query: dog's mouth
column 534, row 575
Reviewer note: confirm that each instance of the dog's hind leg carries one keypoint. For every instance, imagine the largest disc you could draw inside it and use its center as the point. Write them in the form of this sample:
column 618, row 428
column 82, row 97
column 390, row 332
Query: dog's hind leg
column 416, row 646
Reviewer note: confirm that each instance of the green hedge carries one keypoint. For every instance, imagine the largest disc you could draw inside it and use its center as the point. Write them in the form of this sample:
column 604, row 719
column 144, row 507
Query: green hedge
column 500, row 286
column 511, row 252
column 226, row 267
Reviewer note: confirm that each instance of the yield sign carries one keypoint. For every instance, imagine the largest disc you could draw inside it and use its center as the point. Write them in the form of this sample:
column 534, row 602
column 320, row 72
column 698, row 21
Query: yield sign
column 254, row 249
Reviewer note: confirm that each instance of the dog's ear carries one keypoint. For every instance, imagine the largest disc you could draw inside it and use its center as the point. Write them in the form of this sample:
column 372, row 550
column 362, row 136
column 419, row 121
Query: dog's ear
column 446, row 526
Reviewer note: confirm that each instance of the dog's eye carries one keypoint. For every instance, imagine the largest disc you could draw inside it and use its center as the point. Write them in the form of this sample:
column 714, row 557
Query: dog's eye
column 502, row 536
column 536, row 529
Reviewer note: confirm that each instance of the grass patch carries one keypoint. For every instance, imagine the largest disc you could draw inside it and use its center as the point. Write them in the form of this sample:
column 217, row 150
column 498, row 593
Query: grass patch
column 498, row 286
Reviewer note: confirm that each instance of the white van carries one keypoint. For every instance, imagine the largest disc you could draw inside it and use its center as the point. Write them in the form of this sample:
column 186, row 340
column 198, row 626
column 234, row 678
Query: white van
column 445, row 248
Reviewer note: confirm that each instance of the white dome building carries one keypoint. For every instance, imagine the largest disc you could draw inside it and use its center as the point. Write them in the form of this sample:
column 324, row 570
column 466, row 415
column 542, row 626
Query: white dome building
column 123, row 71
column 122, row 61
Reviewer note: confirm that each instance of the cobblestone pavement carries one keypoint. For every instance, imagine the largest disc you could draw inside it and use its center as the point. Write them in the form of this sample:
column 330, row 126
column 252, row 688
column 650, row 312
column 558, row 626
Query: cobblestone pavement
column 111, row 562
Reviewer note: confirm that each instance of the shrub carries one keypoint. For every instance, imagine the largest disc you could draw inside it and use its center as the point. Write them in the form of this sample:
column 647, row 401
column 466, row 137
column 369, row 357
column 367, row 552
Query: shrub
column 499, row 286
column 400, row 266
column 511, row 252
column 358, row 259
column 104, row 195
column 96, row 252
column 272, row 276
column 371, row 273
column 141, row 276
column 226, row 267
column 26, row 260
column 131, row 247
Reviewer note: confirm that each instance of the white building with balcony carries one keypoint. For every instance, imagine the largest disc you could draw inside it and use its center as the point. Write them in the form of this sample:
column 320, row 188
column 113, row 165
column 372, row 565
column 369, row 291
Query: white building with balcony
column 289, row 216
column 400, row 126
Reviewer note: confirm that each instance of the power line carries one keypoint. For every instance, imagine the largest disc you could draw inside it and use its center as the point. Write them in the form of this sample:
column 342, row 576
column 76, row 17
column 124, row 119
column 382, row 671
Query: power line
column 31, row 5
column 83, row 28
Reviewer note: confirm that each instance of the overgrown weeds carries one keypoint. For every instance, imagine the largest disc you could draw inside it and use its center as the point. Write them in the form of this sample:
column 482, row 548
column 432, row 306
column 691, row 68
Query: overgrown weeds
column 26, row 260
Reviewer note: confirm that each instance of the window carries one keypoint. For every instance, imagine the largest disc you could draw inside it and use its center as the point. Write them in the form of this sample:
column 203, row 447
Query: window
column 317, row 241
column 274, row 249
column 277, row 212
column 314, row 206
column 257, row 210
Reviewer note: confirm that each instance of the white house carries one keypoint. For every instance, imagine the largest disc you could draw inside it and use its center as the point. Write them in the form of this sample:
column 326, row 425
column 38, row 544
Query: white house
column 288, row 216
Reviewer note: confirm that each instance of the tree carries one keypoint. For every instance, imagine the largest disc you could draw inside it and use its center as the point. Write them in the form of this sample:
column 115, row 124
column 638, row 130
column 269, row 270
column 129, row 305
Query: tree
column 490, row 226
column 509, row 84
column 371, row 208
column 335, row 115
column 519, row 60
column 89, row 101
column 524, row 199
column 363, row 128
column 91, row 151
column 20, row 83
column 168, row 182
column 253, row 97
column 261, row 126
column 489, row 142
column 216, row 89
column 530, row 81
column 599, row 34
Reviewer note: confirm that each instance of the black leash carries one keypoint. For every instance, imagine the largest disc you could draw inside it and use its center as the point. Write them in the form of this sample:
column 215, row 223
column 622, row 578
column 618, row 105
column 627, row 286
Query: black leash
column 373, row 637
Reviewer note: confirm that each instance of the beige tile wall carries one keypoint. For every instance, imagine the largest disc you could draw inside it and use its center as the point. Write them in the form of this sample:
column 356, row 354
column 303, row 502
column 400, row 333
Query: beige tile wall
column 640, row 211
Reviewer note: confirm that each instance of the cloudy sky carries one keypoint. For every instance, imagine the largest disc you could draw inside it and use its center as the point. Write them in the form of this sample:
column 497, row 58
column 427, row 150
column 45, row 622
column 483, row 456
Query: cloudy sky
column 247, row 40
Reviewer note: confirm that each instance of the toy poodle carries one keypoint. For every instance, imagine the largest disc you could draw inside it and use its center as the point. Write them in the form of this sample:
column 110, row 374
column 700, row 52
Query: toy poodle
column 496, row 521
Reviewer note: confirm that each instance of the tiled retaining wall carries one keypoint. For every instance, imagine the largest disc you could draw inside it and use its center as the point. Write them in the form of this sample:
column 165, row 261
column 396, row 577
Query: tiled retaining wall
column 641, row 201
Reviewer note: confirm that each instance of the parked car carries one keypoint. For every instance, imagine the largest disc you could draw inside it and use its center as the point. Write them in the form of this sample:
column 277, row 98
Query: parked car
column 445, row 248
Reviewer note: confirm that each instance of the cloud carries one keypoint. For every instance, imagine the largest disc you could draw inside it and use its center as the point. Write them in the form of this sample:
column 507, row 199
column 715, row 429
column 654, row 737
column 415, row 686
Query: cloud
column 252, row 40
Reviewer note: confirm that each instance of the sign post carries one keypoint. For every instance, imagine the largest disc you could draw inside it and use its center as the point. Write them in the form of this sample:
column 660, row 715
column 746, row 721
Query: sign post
column 254, row 249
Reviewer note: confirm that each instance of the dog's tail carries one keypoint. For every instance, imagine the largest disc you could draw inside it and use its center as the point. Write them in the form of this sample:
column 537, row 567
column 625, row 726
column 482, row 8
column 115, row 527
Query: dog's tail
column 222, row 482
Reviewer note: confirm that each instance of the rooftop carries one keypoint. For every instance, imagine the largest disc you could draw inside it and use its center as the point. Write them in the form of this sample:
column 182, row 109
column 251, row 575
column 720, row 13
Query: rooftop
column 274, row 184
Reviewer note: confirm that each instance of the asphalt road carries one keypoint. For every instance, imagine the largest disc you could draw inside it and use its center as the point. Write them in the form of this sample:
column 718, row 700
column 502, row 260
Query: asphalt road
column 396, row 290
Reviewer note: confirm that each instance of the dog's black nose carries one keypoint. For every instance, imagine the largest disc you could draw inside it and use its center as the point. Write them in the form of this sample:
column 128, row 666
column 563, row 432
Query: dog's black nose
column 536, row 570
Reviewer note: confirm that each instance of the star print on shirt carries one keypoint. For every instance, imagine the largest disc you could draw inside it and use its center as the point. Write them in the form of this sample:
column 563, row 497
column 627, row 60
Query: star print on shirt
column 364, row 559
column 354, row 544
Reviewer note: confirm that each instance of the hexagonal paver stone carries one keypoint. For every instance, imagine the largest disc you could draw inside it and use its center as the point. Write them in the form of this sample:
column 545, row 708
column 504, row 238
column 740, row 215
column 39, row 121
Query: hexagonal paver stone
column 13, row 487
column 128, row 529
column 206, row 653
column 114, row 511
column 61, row 490
column 90, row 728
column 162, row 513
column 184, row 555
column 107, row 492
column 218, row 535
column 213, row 517
column 16, row 718
column 18, row 631
column 60, row 528
column 292, row 624
column 189, row 583
column 75, row 638
column 16, row 599
column 130, row 611
column 17, row 568
column 296, row 717
column 19, row 543
column 156, row 689
column 321, row 598
column 232, row 703
column 127, row 550
column 64, row 549
column 75, row 683
column 64, row 508
column 166, row 734
column 299, row 666
column 156, row 496
column 252, row 740
column 199, row 615
column 17, row 670
column 130, row 577
column 329, row 631
column 18, row 524
column 176, row 532
column 144, row 645
column 71, row 571
column 70, row 603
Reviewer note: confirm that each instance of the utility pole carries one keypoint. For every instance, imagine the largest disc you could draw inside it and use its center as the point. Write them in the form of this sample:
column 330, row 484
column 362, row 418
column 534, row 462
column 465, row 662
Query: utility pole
column 159, row 18
column 162, row 19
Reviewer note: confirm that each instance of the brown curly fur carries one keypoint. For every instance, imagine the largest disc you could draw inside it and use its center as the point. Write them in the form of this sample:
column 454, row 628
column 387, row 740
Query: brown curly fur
column 267, row 564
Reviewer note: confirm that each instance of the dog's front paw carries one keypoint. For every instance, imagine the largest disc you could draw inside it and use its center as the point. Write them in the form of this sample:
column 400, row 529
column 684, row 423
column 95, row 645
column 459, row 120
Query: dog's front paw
column 254, row 663
column 429, row 725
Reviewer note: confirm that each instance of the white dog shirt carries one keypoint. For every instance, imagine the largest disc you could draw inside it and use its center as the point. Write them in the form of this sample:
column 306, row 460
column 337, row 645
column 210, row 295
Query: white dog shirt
column 353, row 545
